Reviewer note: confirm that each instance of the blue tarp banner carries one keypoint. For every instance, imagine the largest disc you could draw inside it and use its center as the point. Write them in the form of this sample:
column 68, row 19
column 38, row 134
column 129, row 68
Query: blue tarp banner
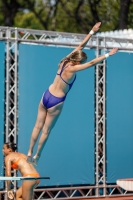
column 2, row 69
column 119, row 116
column 68, row 155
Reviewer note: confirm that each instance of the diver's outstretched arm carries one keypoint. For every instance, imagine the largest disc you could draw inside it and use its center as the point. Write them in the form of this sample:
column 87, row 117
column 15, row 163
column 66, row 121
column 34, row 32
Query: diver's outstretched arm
column 86, row 39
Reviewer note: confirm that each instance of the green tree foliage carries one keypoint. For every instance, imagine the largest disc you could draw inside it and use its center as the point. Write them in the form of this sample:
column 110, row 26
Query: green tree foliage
column 130, row 17
column 67, row 15
column 27, row 20
column 81, row 19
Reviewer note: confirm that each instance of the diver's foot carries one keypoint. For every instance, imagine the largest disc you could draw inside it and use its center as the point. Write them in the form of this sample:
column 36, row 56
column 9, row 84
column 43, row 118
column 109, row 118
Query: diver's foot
column 29, row 159
column 35, row 160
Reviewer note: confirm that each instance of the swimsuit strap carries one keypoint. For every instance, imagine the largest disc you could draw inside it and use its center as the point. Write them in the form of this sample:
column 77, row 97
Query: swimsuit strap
column 15, row 164
column 62, row 69
column 70, row 84
column 17, row 161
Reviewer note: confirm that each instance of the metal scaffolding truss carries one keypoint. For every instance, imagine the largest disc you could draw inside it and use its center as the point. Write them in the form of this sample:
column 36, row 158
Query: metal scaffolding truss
column 78, row 192
column 11, row 90
column 14, row 36
column 60, row 38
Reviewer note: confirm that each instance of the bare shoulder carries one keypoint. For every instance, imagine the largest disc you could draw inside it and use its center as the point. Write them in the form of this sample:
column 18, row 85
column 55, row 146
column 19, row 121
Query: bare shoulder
column 8, row 158
column 80, row 67
column 65, row 66
column 16, row 155
column 22, row 155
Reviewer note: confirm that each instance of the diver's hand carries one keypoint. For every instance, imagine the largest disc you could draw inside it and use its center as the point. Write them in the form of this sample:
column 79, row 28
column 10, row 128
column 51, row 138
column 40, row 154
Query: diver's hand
column 10, row 194
column 96, row 27
column 113, row 51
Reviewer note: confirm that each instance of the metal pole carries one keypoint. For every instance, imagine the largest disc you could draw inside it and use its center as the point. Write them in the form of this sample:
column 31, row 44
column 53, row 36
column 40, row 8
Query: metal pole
column 7, row 84
column 96, row 131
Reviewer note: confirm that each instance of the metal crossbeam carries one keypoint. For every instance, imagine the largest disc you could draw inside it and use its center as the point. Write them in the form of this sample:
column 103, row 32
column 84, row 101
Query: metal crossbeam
column 59, row 38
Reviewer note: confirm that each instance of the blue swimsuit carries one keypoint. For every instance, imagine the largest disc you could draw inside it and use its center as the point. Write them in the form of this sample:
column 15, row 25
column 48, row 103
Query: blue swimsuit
column 50, row 100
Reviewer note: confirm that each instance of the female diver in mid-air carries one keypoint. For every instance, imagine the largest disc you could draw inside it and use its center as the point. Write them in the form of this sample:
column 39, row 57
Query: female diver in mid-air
column 53, row 99
column 17, row 161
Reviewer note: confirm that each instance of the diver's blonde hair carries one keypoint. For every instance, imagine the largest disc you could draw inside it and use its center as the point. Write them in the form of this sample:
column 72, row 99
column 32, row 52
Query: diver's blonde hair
column 77, row 56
